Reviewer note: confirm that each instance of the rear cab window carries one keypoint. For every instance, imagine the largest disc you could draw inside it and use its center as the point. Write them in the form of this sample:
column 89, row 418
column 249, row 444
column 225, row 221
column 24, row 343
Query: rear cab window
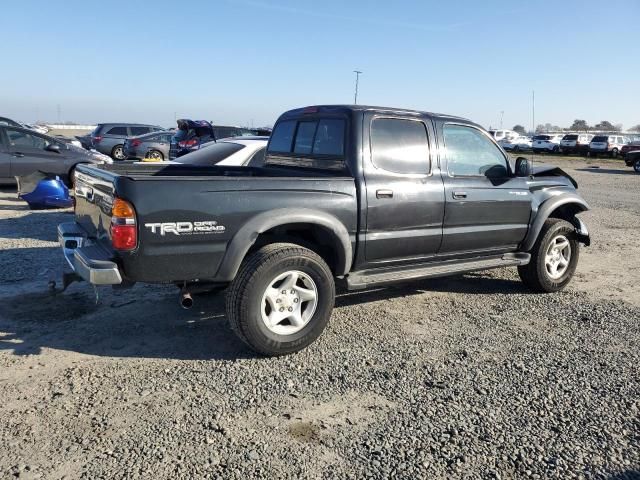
column 309, row 141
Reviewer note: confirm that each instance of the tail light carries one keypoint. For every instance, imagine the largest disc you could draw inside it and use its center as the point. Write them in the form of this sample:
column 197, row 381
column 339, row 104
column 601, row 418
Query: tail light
column 124, row 230
column 136, row 142
column 96, row 139
column 188, row 143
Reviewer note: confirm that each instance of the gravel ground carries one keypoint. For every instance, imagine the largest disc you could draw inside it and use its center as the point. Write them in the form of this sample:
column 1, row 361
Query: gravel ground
column 468, row 377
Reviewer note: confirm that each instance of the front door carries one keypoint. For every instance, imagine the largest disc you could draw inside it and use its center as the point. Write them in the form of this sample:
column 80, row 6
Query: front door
column 404, row 191
column 29, row 153
column 487, row 208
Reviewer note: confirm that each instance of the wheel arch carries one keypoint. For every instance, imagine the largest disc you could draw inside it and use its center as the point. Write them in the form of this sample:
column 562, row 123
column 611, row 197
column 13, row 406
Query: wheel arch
column 318, row 231
column 566, row 207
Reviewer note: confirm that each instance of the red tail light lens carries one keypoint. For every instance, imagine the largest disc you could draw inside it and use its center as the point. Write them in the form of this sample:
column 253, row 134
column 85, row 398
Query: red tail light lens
column 136, row 143
column 124, row 229
column 188, row 143
column 97, row 139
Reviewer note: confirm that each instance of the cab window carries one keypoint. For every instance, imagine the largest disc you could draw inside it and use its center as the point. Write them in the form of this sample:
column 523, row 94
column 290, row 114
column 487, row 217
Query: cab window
column 469, row 152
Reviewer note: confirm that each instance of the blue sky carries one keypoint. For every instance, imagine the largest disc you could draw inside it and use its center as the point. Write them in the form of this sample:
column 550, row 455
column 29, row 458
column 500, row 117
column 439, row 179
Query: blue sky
column 247, row 61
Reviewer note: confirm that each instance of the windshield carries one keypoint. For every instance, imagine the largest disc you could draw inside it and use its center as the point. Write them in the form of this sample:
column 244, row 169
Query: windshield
column 570, row 137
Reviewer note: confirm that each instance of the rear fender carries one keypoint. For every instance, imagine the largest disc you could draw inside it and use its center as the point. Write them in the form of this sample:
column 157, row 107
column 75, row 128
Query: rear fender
column 547, row 209
column 244, row 239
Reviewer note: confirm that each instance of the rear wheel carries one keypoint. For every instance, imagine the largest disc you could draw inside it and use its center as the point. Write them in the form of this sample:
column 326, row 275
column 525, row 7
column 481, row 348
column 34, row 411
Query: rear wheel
column 554, row 257
column 155, row 156
column 281, row 299
column 614, row 153
column 636, row 166
column 117, row 153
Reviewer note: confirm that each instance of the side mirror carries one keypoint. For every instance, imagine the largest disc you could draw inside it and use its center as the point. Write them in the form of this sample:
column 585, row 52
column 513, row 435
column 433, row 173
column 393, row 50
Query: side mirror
column 53, row 148
column 523, row 167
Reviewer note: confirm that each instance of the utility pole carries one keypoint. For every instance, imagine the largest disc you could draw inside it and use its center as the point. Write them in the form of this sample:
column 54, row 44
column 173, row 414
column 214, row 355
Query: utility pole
column 355, row 97
column 533, row 111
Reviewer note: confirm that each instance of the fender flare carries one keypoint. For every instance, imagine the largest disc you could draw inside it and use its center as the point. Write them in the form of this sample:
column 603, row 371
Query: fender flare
column 544, row 212
column 247, row 235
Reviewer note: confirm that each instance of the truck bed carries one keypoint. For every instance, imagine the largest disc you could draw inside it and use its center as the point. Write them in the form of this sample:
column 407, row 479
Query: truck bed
column 237, row 201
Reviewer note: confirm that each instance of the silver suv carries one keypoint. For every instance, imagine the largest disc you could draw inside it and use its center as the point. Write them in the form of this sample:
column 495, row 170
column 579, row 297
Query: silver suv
column 607, row 145
column 108, row 138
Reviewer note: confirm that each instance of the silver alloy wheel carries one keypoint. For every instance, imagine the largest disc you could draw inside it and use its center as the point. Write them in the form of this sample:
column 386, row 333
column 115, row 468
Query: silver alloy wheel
column 118, row 152
column 636, row 166
column 289, row 302
column 558, row 256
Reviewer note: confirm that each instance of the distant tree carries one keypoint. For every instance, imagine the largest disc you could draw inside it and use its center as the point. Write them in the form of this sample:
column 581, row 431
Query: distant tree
column 635, row 128
column 540, row 129
column 606, row 126
column 580, row 126
column 519, row 129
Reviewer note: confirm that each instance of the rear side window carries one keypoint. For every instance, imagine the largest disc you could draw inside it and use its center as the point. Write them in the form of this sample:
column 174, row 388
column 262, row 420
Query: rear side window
column 117, row 131
column 135, row 131
column 400, row 146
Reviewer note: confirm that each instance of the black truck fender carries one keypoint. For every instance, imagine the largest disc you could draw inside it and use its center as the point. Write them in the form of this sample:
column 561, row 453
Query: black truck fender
column 546, row 210
column 246, row 237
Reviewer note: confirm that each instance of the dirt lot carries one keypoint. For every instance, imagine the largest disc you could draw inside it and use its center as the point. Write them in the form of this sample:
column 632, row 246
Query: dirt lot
column 469, row 377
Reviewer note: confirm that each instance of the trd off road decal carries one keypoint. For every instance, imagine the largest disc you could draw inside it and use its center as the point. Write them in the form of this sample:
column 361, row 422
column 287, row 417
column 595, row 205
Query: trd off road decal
column 185, row 228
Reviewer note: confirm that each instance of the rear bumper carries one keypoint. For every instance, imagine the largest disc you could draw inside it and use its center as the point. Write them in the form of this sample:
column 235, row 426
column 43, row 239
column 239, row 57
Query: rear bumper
column 89, row 261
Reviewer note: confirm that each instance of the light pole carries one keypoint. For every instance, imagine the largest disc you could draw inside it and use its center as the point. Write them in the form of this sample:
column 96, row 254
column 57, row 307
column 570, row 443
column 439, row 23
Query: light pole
column 355, row 97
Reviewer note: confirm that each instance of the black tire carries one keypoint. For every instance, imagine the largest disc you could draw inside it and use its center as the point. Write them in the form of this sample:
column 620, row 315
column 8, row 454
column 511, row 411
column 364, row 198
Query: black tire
column 555, row 149
column 535, row 274
column 636, row 166
column 614, row 153
column 245, row 296
column 117, row 153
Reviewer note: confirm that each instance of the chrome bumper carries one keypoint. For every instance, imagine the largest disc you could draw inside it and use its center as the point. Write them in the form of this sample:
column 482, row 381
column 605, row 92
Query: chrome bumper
column 89, row 261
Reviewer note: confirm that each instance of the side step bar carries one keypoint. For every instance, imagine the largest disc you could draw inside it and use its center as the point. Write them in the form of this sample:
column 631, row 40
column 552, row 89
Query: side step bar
column 362, row 280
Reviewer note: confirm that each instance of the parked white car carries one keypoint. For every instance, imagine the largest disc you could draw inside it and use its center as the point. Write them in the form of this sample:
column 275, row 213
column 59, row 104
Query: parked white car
column 546, row 143
column 575, row 143
column 607, row 145
column 503, row 134
column 516, row 144
column 237, row 151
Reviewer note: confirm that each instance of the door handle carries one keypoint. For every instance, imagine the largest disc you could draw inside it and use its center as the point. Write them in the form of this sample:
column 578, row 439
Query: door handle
column 384, row 193
column 459, row 195
column 18, row 154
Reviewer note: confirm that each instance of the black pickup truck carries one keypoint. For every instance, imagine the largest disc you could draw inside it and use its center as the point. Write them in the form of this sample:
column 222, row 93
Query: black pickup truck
column 366, row 195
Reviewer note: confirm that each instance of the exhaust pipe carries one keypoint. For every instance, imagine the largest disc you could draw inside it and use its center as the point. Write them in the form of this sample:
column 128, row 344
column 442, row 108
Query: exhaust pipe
column 186, row 301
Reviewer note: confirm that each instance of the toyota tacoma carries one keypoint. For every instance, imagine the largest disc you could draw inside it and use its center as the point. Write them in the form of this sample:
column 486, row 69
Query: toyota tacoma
column 367, row 196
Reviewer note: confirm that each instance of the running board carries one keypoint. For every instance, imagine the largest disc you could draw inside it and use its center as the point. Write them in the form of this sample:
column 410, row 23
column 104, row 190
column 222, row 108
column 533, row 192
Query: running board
column 362, row 280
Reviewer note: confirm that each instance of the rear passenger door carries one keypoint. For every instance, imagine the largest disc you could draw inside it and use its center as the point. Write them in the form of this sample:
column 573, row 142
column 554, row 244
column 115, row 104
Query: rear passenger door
column 487, row 208
column 404, row 190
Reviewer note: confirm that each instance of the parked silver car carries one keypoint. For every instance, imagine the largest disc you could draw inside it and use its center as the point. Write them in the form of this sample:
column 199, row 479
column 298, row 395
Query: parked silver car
column 152, row 147
column 108, row 138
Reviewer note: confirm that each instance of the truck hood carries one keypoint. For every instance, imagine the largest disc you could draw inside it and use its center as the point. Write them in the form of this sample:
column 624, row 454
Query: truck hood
column 546, row 170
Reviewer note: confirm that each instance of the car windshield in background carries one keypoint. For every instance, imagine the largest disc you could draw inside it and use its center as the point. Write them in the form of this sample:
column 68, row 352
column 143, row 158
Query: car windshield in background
column 321, row 137
column 211, row 154
column 600, row 138
column 542, row 137
column 570, row 137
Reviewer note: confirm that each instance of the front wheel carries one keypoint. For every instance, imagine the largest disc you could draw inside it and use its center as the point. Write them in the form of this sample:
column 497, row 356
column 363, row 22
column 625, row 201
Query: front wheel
column 281, row 299
column 554, row 257
column 614, row 153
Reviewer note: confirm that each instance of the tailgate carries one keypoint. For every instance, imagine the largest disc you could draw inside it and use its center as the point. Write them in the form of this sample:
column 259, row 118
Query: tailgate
column 94, row 192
